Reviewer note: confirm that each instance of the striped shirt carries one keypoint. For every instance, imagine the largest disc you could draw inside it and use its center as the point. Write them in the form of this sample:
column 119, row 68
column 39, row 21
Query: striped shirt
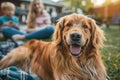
column 42, row 20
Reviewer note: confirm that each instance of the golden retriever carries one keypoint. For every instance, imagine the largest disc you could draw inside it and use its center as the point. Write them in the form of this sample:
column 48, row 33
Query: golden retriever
column 72, row 55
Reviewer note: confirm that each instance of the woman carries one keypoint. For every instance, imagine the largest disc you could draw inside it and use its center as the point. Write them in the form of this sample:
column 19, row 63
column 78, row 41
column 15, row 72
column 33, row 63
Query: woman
column 38, row 24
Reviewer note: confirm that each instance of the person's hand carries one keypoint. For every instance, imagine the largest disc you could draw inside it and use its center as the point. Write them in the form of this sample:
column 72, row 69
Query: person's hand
column 11, row 24
column 7, row 23
column 14, row 25
column 30, row 30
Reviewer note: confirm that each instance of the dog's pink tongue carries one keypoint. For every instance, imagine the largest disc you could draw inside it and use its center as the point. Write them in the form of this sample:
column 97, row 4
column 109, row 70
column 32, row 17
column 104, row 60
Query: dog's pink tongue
column 75, row 50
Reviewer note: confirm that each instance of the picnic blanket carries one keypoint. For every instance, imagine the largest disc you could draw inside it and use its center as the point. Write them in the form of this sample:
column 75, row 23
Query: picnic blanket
column 7, row 46
column 15, row 73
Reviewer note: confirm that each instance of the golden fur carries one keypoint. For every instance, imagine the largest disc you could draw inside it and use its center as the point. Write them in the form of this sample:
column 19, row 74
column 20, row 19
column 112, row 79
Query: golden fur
column 54, row 60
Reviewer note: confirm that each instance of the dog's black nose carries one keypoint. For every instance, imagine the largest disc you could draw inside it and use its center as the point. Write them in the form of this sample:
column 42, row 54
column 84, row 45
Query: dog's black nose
column 75, row 36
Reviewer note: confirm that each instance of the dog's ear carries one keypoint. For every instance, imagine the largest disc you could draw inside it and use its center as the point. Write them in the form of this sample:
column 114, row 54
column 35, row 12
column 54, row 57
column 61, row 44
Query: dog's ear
column 97, row 35
column 57, row 36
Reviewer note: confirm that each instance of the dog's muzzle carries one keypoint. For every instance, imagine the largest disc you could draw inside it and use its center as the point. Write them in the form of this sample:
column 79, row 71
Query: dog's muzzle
column 75, row 37
column 75, row 46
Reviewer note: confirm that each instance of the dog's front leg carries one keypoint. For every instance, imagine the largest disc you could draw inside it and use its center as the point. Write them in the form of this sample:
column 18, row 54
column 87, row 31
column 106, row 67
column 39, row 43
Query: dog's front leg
column 15, row 57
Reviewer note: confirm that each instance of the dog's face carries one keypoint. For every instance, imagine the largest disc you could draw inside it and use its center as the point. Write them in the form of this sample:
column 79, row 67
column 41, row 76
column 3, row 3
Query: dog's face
column 77, row 32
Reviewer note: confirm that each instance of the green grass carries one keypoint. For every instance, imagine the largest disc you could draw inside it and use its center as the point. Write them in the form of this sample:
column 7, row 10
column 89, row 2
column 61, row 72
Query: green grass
column 111, row 52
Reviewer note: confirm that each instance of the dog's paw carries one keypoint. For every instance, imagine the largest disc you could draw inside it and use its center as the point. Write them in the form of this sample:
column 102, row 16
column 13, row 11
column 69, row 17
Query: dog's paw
column 2, row 64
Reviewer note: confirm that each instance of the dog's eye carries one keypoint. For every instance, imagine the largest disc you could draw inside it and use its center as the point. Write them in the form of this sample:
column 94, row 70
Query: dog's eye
column 69, row 24
column 84, row 26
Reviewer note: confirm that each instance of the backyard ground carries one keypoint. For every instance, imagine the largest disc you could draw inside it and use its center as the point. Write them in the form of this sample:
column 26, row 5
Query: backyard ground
column 111, row 51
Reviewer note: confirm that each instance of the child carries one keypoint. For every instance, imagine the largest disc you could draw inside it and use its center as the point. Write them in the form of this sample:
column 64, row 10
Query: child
column 38, row 24
column 8, row 19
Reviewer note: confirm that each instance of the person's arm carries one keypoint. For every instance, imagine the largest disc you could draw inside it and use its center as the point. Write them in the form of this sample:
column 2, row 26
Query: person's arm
column 6, row 23
column 30, row 30
column 47, row 19
column 1, row 22
column 10, row 24
column 16, row 23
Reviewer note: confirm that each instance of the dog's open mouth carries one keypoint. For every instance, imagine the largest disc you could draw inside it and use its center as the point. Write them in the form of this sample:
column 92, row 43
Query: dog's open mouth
column 75, row 49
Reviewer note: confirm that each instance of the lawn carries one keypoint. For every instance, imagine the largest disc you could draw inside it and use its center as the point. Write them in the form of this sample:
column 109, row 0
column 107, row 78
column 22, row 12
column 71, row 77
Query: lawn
column 111, row 52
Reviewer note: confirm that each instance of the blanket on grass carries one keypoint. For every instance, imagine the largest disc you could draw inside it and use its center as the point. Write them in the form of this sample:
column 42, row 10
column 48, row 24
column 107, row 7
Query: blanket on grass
column 13, row 73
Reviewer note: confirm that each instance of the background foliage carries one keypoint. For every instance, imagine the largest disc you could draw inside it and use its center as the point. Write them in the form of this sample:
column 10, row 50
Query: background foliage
column 85, row 5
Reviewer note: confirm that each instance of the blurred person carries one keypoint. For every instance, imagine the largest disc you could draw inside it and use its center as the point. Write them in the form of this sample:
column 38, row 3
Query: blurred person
column 38, row 24
column 8, row 20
